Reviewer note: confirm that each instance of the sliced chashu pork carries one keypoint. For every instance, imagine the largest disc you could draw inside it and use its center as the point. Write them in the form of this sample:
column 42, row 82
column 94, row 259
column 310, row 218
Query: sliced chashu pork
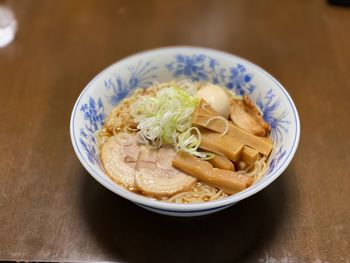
column 158, row 177
column 245, row 115
column 119, row 156
column 142, row 167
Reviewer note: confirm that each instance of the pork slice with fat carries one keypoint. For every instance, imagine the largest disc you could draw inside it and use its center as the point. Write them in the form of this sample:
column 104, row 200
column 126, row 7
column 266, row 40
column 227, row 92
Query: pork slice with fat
column 163, row 179
column 245, row 115
column 119, row 159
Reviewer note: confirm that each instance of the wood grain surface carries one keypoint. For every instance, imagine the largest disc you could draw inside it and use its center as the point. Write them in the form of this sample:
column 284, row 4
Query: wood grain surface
column 52, row 210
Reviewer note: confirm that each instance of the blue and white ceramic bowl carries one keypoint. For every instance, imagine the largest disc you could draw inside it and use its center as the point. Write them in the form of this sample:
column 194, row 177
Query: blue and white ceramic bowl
column 113, row 84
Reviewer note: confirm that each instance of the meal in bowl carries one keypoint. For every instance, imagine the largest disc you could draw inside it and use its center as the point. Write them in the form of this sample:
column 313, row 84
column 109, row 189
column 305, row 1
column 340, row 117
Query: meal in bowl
column 185, row 142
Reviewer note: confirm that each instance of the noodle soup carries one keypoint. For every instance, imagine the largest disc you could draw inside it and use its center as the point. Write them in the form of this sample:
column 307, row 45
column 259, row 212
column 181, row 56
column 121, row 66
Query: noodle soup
column 185, row 142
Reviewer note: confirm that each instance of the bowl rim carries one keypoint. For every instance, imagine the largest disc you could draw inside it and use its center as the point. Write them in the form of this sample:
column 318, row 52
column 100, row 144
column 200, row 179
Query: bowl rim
column 205, row 206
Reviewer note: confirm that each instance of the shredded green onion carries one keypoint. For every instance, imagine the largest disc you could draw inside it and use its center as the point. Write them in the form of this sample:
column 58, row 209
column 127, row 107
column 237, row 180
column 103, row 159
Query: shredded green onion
column 166, row 119
column 188, row 142
column 219, row 118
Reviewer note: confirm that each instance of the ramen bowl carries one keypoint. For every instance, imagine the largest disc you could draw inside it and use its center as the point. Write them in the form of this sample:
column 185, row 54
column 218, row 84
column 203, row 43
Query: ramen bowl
column 114, row 83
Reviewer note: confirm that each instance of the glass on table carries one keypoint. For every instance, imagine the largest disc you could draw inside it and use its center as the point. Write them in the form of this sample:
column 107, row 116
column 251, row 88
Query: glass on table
column 8, row 24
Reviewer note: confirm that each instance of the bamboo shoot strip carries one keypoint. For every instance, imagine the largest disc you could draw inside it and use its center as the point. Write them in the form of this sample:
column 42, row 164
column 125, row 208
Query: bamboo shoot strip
column 229, row 181
column 222, row 162
column 204, row 112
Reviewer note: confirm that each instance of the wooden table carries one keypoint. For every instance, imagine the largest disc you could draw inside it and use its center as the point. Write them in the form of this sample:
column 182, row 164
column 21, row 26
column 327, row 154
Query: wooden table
column 52, row 210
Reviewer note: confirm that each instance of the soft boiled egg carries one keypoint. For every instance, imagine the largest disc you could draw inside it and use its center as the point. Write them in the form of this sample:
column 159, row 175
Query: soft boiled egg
column 216, row 97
